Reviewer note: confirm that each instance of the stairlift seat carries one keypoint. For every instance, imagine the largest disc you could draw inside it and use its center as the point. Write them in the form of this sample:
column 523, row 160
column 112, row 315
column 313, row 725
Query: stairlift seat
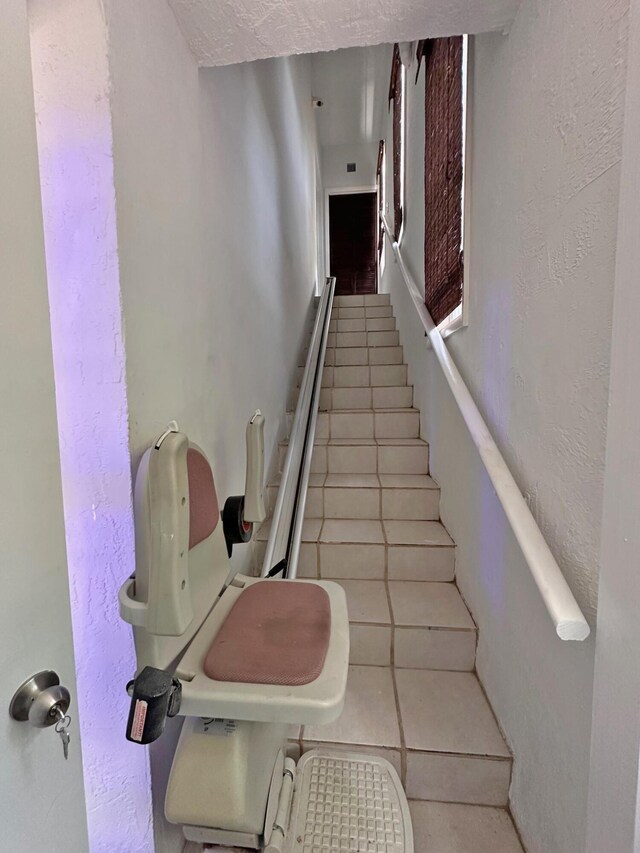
column 275, row 633
column 244, row 648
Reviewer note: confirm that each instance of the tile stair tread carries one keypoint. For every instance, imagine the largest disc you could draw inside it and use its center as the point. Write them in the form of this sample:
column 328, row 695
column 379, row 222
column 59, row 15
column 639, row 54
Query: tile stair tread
column 356, row 442
column 440, row 712
column 438, row 605
column 378, row 481
column 376, row 531
column 444, row 711
column 416, row 533
column 366, row 481
column 385, row 411
column 407, row 481
column 429, row 604
column 352, row 481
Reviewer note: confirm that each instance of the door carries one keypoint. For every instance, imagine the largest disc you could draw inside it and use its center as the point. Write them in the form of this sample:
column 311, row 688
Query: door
column 41, row 794
column 352, row 242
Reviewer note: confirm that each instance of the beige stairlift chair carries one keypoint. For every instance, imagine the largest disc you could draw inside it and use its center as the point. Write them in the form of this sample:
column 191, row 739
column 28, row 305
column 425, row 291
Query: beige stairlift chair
column 241, row 658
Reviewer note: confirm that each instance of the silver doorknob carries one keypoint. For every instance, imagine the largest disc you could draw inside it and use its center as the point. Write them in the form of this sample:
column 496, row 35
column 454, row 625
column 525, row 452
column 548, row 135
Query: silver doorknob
column 41, row 700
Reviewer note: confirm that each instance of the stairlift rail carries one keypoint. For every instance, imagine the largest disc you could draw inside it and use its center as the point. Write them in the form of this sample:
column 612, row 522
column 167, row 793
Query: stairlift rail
column 288, row 514
column 560, row 602
column 301, row 501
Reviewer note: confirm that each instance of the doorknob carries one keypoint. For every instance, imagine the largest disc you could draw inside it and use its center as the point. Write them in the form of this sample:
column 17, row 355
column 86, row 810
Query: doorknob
column 41, row 700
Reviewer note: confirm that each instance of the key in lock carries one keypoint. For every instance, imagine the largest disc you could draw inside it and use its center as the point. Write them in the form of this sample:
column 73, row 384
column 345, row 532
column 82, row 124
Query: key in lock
column 43, row 702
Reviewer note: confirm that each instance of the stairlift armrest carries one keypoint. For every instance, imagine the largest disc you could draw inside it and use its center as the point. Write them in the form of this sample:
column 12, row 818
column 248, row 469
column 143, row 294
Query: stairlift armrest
column 254, row 508
column 131, row 611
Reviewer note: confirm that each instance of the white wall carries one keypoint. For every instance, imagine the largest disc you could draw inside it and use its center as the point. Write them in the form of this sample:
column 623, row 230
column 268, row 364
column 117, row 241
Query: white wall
column 336, row 157
column 215, row 181
column 547, row 113
column 353, row 85
column 72, row 87
column 41, row 796
column 216, row 198
column 613, row 815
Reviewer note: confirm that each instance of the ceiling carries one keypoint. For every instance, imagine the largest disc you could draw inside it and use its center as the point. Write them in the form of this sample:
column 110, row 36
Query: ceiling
column 220, row 32
column 353, row 86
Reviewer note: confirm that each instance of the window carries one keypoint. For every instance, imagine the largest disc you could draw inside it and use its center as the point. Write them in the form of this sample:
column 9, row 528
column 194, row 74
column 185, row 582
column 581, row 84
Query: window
column 396, row 95
column 443, row 174
column 380, row 173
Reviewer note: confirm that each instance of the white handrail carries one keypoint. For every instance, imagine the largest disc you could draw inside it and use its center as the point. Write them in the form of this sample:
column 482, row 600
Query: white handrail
column 282, row 522
column 560, row 602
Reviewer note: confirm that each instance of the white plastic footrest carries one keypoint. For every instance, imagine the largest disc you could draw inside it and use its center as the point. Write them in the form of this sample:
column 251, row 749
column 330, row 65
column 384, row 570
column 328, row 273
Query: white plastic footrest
column 347, row 802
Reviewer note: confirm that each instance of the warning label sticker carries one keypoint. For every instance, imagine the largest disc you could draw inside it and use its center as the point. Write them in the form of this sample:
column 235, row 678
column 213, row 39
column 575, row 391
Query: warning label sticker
column 218, row 727
column 139, row 717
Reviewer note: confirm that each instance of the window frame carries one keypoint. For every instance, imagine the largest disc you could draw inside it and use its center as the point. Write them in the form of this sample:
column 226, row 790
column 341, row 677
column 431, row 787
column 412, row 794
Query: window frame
column 398, row 95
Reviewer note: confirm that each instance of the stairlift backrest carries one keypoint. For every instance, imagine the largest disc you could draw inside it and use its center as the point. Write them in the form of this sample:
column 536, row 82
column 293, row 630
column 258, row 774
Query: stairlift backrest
column 181, row 556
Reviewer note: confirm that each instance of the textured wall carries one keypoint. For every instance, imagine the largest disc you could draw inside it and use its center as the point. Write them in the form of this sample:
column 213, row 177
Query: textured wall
column 36, row 812
column 71, row 80
column 615, row 746
column 547, row 118
column 215, row 190
column 220, row 33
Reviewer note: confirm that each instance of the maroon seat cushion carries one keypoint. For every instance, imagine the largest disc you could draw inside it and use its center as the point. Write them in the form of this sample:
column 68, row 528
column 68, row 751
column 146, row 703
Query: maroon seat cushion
column 277, row 632
column 203, row 501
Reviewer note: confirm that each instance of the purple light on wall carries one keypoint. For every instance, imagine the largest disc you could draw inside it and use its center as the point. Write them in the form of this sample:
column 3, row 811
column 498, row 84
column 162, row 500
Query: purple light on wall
column 494, row 534
column 76, row 168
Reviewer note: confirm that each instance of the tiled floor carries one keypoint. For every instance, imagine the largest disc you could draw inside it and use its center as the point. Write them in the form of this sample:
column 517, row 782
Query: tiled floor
column 373, row 526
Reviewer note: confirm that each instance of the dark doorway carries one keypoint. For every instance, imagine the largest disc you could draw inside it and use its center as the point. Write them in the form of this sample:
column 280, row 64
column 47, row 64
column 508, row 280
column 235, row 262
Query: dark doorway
column 352, row 242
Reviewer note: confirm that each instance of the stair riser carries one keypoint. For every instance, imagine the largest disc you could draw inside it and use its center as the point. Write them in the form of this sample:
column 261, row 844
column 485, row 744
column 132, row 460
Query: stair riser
column 344, row 399
column 360, row 355
column 414, row 648
column 361, row 375
column 363, row 324
column 368, row 425
column 353, row 562
column 347, row 356
column 457, row 778
column 400, row 504
column 347, row 561
column 366, row 300
column 381, row 424
column 332, row 399
column 367, row 459
column 363, row 339
column 358, row 313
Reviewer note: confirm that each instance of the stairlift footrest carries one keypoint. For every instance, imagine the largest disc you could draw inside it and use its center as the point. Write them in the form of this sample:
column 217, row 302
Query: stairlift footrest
column 376, row 817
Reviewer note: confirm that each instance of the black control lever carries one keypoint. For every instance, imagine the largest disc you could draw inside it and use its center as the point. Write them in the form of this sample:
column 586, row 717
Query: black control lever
column 155, row 695
column 279, row 567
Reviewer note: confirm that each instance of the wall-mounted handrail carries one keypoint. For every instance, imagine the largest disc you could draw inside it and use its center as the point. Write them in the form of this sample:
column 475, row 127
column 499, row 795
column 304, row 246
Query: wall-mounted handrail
column 560, row 602
column 288, row 514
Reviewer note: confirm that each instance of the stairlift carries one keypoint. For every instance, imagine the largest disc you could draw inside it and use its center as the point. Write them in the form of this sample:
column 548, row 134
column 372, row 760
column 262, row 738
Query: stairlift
column 242, row 659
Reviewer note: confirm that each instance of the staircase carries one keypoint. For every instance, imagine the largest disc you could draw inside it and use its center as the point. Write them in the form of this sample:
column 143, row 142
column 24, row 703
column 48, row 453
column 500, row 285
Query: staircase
column 372, row 525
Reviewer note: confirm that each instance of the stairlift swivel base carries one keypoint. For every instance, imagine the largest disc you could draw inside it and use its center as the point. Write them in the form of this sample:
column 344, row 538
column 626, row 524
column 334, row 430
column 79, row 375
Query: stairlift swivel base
column 224, row 774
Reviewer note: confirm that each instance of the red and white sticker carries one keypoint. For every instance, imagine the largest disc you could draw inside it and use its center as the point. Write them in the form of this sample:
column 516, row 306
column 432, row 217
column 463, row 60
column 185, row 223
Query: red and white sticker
column 139, row 717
